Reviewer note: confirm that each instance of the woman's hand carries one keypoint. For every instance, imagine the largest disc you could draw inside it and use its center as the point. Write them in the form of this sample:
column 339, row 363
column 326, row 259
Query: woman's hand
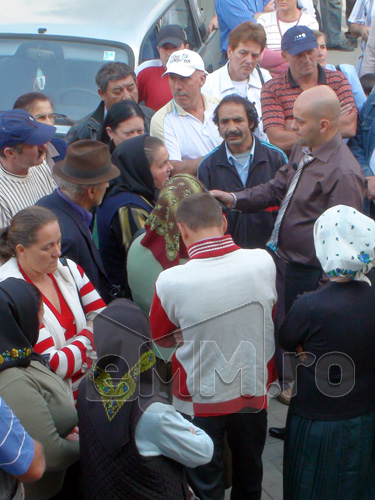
column 73, row 435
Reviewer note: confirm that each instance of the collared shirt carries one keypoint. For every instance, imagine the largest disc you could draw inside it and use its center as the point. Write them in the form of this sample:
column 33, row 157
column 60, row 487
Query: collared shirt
column 333, row 178
column 351, row 74
column 242, row 170
column 219, row 84
column 84, row 214
column 362, row 13
column 184, row 135
column 278, row 95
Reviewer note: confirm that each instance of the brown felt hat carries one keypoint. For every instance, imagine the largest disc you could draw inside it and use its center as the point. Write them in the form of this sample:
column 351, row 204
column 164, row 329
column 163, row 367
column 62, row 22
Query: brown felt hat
column 86, row 162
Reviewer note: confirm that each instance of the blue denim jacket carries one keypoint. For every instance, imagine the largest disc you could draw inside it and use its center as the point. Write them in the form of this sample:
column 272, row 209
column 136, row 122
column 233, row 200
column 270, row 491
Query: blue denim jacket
column 363, row 144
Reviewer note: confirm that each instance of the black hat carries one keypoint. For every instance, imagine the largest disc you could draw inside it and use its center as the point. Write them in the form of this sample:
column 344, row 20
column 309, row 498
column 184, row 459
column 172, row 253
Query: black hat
column 173, row 34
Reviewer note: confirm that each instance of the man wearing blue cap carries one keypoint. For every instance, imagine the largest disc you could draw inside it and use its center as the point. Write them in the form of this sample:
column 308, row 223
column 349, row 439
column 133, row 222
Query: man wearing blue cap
column 22, row 146
column 299, row 49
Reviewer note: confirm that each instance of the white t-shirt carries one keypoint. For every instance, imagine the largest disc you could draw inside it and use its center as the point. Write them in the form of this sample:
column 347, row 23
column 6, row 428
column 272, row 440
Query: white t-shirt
column 269, row 22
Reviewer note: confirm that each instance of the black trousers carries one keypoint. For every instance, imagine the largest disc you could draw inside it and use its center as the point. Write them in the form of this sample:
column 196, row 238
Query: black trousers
column 246, row 437
column 299, row 279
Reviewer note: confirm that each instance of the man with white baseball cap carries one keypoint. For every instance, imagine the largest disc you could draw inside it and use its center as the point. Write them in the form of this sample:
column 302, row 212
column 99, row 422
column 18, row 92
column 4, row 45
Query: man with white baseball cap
column 185, row 124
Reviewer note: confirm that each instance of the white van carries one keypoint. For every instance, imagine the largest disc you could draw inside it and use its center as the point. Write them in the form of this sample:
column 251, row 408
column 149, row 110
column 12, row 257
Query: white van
column 57, row 46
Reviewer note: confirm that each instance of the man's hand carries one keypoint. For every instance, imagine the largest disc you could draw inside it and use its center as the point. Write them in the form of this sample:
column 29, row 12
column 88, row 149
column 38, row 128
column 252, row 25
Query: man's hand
column 225, row 198
column 301, row 352
column 179, row 339
column 269, row 7
column 214, row 24
column 365, row 31
column 371, row 187
column 346, row 109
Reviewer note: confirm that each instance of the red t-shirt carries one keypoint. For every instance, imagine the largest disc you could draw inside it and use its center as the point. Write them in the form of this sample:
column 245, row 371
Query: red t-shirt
column 152, row 88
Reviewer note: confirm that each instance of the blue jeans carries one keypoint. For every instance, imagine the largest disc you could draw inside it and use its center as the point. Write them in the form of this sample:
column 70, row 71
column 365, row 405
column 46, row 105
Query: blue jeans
column 331, row 20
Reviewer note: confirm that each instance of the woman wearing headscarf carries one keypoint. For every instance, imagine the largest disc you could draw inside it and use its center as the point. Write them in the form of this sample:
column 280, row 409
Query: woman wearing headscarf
column 330, row 434
column 132, row 443
column 144, row 165
column 36, row 395
column 160, row 246
column 124, row 120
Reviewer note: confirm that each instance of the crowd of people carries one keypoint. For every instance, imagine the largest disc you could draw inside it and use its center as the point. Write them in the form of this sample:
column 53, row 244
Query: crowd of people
column 196, row 245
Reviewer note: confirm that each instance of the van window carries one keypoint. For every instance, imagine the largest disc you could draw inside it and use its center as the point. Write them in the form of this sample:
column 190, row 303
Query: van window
column 180, row 14
column 63, row 70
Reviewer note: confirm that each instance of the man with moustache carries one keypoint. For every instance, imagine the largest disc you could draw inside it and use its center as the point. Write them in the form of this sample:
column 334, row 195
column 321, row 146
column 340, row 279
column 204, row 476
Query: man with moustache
column 299, row 49
column 241, row 161
column 320, row 174
column 25, row 177
column 185, row 124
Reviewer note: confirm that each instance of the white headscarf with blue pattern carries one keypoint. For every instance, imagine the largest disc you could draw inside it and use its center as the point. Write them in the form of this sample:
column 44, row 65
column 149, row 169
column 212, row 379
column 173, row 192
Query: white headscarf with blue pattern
column 344, row 241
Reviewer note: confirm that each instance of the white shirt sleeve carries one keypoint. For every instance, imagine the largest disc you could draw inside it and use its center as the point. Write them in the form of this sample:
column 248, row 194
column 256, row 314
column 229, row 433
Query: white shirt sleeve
column 163, row 431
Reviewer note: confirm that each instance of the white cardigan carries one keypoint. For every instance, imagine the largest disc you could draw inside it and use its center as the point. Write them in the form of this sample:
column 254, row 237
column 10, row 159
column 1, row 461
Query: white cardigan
column 69, row 356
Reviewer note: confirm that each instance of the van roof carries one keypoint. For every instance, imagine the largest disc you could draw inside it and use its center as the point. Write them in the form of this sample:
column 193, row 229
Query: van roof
column 119, row 21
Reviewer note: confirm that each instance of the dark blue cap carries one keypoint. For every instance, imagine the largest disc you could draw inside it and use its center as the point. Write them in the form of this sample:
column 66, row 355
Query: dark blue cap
column 17, row 126
column 173, row 34
column 298, row 39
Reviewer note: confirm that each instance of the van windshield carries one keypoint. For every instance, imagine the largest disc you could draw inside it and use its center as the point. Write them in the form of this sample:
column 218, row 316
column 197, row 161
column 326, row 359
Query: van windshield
column 62, row 69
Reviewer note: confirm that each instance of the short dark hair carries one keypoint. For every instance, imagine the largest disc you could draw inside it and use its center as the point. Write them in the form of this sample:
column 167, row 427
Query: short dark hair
column 17, row 148
column 113, row 71
column 250, row 110
column 199, row 211
column 367, row 82
column 247, row 32
column 26, row 101
column 118, row 113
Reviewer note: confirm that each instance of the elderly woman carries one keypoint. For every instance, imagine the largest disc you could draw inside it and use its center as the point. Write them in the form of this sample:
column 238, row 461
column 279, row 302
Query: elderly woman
column 275, row 24
column 124, row 120
column 37, row 396
column 160, row 246
column 41, row 107
column 144, row 169
column 30, row 250
column 132, row 443
column 330, row 435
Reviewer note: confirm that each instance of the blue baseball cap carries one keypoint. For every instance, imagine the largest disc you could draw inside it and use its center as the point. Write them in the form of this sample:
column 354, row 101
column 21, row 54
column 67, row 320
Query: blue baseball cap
column 298, row 39
column 17, row 126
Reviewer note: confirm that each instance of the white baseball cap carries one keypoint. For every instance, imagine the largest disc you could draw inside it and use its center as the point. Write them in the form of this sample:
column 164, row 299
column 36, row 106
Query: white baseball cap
column 184, row 63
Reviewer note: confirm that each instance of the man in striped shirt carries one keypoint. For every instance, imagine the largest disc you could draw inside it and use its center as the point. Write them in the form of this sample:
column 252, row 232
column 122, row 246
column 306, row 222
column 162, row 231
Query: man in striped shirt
column 20, row 457
column 299, row 49
column 24, row 175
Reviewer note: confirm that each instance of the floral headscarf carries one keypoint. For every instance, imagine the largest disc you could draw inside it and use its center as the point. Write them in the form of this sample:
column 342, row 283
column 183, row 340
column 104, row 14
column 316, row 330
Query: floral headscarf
column 345, row 243
column 162, row 234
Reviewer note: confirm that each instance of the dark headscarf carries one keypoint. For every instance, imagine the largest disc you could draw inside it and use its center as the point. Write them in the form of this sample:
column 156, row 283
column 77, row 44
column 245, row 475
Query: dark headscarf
column 122, row 339
column 162, row 236
column 135, row 176
column 19, row 323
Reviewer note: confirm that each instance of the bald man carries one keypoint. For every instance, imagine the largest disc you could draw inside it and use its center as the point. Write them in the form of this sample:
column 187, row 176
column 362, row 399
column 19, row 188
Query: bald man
column 321, row 173
column 331, row 176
